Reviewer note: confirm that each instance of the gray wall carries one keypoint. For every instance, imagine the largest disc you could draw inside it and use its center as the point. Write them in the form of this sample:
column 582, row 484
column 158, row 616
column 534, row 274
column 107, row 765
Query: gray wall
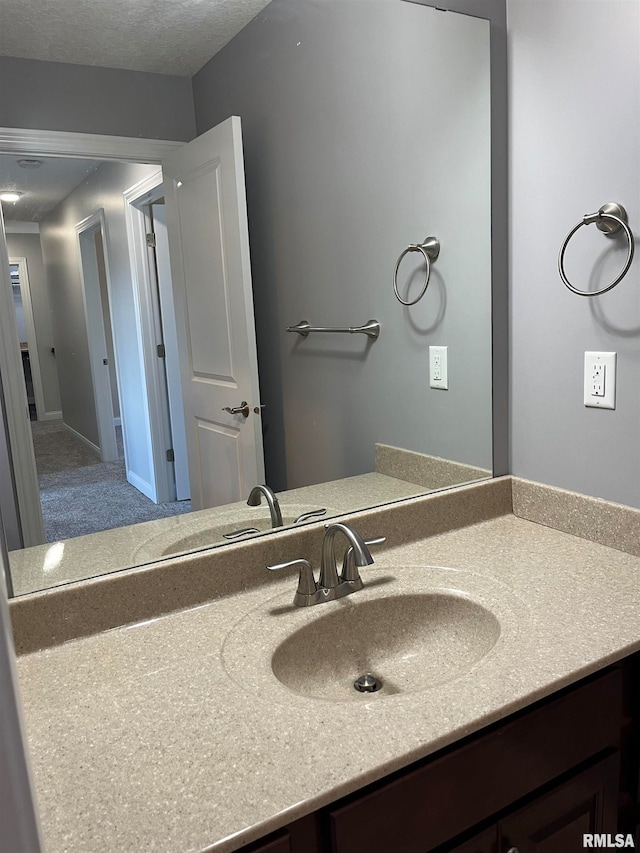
column 28, row 246
column 101, row 189
column 58, row 96
column 348, row 159
column 575, row 144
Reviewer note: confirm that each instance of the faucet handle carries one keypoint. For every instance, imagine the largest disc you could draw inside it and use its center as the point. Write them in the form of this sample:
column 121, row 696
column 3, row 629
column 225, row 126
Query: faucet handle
column 306, row 584
column 349, row 569
column 314, row 513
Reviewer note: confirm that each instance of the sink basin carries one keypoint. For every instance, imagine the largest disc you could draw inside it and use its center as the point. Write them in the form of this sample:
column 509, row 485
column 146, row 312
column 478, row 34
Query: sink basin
column 203, row 529
column 215, row 533
column 414, row 628
column 409, row 642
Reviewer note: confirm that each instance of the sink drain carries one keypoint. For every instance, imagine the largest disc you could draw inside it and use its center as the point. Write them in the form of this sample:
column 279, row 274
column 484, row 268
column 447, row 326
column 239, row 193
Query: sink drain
column 367, row 683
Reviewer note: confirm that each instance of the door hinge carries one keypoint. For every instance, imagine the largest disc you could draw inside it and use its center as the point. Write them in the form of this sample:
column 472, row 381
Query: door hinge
column 151, row 240
column 171, row 457
column 162, row 353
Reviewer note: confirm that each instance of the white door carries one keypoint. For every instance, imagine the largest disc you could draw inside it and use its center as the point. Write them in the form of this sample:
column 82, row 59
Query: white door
column 211, row 271
column 172, row 364
column 96, row 337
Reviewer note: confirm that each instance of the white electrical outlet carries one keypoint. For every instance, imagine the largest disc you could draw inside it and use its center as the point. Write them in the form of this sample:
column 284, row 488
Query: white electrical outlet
column 438, row 368
column 600, row 380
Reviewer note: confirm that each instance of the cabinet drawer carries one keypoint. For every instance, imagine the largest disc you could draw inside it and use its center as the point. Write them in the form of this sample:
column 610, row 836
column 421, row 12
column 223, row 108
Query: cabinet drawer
column 452, row 792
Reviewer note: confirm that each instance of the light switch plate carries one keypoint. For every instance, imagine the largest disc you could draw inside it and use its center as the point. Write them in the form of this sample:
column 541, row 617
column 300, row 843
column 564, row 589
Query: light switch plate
column 438, row 368
column 600, row 380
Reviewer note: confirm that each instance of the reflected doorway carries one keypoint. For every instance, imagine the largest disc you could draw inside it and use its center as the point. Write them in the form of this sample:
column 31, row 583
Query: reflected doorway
column 79, row 429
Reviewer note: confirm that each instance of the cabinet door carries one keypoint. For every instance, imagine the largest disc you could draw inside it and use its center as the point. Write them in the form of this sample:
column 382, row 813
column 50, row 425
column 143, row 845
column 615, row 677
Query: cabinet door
column 281, row 844
column 484, row 842
column 556, row 822
column 449, row 794
column 303, row 836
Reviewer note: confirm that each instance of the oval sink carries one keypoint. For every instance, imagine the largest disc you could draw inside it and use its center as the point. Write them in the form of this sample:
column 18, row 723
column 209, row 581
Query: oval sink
column 412, row 627
column 409, row 642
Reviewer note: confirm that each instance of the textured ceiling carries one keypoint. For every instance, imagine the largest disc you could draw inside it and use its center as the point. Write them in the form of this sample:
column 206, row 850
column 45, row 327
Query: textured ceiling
column 43, row 188
column 164, row 36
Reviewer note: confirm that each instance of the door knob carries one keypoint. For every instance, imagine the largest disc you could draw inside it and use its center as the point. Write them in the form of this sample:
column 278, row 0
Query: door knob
column 242, row 409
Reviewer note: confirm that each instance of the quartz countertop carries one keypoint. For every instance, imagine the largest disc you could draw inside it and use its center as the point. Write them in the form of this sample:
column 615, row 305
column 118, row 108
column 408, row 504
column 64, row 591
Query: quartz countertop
column 141, row 738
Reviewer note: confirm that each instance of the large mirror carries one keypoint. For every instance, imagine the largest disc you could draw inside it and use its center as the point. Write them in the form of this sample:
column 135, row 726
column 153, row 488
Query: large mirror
column 365, row 129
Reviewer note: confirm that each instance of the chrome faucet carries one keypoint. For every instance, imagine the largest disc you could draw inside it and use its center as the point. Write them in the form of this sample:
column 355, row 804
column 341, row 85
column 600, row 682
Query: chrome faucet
column 329, row 577
column 332, row 585
column 255, row 499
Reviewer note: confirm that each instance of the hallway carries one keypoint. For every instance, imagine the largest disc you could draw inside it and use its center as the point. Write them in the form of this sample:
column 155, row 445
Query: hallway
column 81, row 495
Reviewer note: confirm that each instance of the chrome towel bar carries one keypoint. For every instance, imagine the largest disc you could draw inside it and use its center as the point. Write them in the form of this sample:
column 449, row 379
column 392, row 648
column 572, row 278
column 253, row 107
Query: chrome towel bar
column 371, row 329
column 609, row 219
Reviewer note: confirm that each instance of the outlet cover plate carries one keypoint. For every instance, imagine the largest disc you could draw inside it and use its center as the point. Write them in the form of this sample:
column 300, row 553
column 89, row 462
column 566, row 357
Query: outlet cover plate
column 600, row 380
column 438, row 368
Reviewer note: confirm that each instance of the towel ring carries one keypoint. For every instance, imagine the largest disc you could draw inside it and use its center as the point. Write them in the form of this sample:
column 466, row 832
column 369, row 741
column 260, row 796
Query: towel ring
column 609, row 219
column 430, row 250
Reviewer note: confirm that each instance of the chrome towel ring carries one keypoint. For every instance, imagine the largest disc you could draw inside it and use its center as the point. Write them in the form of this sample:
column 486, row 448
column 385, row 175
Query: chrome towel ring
column 609, row 219
column 430, row 249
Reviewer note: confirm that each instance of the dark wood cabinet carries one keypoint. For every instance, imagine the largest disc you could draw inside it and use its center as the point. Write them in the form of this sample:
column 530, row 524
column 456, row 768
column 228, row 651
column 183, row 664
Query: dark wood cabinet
column 536, row 782
column 303, row 836
column 556, row 822
column 449, row 793
column 279, row 844
column 483, row 842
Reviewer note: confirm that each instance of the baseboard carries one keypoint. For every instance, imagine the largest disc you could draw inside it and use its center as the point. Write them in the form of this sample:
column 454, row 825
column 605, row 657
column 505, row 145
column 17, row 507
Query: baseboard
column 84, row 440
column 51, row 416
column 141, row 485
column 117, row 422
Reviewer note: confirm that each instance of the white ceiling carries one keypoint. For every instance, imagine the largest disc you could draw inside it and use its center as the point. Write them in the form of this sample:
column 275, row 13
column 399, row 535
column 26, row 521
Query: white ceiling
column 43, row 188
column 164, row 36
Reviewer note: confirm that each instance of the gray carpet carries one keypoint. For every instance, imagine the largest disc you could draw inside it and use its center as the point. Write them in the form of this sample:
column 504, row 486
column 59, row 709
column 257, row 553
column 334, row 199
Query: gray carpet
column 81, row 495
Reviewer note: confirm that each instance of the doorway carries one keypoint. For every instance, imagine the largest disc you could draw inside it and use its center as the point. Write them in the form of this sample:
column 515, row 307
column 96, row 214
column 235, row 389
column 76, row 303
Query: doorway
column 149, row 251
column 225, row 444
column 89, row 464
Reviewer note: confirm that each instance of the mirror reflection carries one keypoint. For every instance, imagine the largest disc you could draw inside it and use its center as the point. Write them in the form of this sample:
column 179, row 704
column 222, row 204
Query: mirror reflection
column 152, row 309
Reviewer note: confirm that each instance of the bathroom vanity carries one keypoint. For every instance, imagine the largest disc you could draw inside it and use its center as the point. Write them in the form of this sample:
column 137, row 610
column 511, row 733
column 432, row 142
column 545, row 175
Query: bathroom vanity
column 177, row 715
column 543, row 777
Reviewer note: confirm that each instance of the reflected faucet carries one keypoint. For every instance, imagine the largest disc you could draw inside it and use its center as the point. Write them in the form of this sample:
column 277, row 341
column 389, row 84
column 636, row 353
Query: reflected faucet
column 255, row 499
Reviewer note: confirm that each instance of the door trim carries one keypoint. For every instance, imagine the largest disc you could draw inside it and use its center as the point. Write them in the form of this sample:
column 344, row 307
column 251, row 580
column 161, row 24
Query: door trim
column 32, row 338
column 157, row 403
column 23, row 460
column 54, row 143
